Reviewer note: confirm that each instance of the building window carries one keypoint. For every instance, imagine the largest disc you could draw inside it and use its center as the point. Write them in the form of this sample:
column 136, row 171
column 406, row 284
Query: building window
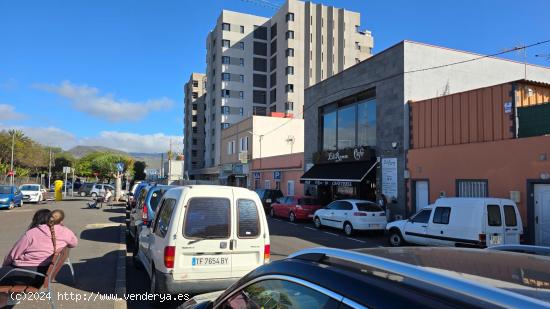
column 226, row 43
column 472, row 188
column 212, row 162
column 273, row 46
column 259, row 96
column 195, row 130
column 194, row 118
column 194, row 141
column 277, row 185
column 242, row 29
column 273, row 63
column 259, row 64
column 241, row 62
column 260, row 32
column 225, row 125
column 357, row 60
column 290, row 188
column 226, row 60
column 226, row 76
column 241, row 111
column 226, row 110
column 243, row 144
column 193, row 153
column 213, row 102
column 195, row 95
column 226, row 27
column 195, row 83
column 241, row 45
column 273, row 108
column 273, row 31
column 289, row 70
column 213, row 134
column 273, row 80
column 273, row 96
column 241, row 78
column 289, row 52
column 357, row 46
column 213, row 117
column 349, row 125
column 259, row 110
column 230, row 147
column 267, row 184
column 289, row 35
column 259, row 48
column 289, row 17
column 289, row 88
column 194, row 107
column 289, row 106
column 241, row 95
column 259, row 80
column 226, row 93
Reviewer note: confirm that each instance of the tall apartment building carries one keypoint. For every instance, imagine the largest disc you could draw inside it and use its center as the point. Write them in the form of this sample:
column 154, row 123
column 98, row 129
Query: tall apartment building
column 193, row 135
column 257, row 65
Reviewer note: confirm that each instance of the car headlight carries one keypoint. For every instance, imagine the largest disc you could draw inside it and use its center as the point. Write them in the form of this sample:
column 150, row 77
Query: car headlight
column 4, row 199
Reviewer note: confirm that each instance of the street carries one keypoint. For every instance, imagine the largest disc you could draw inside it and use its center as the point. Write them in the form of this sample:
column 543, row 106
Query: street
column 95, row 258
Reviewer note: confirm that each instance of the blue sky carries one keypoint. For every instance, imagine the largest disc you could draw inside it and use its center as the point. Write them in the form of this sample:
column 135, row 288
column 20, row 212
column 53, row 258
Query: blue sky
column 61, row 62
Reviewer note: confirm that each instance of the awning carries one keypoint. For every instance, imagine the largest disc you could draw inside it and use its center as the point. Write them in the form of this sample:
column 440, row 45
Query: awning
column 338, row 174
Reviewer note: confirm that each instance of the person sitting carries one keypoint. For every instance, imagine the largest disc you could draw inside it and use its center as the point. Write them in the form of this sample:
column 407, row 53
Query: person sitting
column 101, row 199
column 35, row 249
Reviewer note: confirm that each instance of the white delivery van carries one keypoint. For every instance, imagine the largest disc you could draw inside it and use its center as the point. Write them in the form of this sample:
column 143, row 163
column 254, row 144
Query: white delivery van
column 203, row 238
column 462, row 222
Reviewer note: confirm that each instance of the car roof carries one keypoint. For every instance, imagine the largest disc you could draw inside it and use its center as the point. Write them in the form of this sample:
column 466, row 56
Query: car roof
column 466, row 199
column 29, row 184
column 357, row 201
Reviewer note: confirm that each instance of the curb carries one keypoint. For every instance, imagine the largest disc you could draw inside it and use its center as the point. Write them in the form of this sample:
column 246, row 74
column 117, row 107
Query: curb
column 120, row 283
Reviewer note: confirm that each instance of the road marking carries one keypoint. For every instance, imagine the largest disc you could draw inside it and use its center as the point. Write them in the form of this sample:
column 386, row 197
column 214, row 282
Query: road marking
column 356, row 240
column 331, row 233
column 100, row 225
column 293, row 223
column 21, row 210
column 310, row 228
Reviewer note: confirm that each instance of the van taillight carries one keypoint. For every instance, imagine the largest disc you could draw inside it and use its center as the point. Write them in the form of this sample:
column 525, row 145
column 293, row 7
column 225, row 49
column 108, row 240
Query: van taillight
column 482, row 239
column 144, row 214
column 169, row 256
column 267, row 254
column 360, row 214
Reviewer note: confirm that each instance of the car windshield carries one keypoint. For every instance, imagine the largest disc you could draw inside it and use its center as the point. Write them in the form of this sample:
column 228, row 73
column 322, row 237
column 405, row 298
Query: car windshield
column 30, row 188
column 5, row 189
column 369, row 207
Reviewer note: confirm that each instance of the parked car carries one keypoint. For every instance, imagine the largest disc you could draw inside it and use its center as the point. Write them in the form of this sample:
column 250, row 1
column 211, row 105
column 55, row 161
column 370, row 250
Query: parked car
column 351, row 215
column 268, row 196
column 99, row 189
column 222, row 234
column 295, row 208
column 131, row 193
column 86, row 189
column 144, row 212
column 136, row 193
column 470, row 222
column 411, row 277
column 136, row 211
column 10, row 196
column 31, row 193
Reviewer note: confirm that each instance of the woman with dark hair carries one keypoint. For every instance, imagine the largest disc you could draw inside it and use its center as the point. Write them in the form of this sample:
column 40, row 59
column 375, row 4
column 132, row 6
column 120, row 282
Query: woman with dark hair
column 35, row 249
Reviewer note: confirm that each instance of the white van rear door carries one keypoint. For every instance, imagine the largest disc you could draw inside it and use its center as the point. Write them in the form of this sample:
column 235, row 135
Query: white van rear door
column 203, row 242
column 512, row 226
column 495, row 225
column 248, row 242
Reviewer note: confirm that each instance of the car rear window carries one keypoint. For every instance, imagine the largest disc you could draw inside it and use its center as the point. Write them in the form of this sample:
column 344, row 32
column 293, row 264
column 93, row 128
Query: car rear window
column 30, row 188
column 207, row 217
column 510, row 216
column 5, row 190
column 493, row 215
column 369, row 207
column 249, row 223
column 308, row 201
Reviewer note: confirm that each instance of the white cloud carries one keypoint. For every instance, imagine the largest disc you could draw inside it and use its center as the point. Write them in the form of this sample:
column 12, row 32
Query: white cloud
column 89, row 100
column 125, row 141
column 7, row 112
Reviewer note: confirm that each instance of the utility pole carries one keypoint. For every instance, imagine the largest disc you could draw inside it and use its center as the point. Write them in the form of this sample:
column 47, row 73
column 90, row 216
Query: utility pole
column 169, row 162
column 11, row 164
column 50, row 170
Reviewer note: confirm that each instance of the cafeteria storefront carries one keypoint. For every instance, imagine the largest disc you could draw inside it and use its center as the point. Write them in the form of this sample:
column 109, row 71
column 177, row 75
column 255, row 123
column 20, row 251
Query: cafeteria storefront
column 343, row 174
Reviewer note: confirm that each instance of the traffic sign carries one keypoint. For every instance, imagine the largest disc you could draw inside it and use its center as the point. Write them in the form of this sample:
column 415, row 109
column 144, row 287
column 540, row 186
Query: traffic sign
column 120, row 166
column 66, row 169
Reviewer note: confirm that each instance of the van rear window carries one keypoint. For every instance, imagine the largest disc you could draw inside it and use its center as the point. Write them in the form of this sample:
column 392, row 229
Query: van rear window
column 493, row 215
column 207, row 217
column 249, row 223
column 510, row 216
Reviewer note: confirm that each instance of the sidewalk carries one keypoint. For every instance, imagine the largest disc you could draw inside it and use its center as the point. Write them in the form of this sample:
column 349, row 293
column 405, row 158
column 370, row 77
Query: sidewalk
column 98, row 260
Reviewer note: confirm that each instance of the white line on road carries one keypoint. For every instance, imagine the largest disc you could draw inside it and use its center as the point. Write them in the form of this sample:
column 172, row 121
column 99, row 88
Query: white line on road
column 310, row 228
column 331, row 233
column 356, row 240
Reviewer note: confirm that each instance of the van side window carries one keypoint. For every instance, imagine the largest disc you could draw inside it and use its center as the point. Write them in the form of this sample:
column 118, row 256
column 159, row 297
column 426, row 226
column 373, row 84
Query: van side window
column 442, row 215
column 493, row 215
column 165, row 216
column 248, row 219
column 423, row 216
column 510, row 216
column 207, row 217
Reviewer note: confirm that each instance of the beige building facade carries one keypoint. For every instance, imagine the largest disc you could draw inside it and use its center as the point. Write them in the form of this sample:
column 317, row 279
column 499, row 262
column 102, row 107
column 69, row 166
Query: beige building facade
column 257, row 65
column 193, row 131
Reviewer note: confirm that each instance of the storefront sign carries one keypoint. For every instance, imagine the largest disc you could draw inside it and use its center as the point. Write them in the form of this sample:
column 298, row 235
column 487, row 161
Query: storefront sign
column 277, row 175
column 389, row 177
column 355, row 154
column 329, row 183
column 508, row 107
column 257, row 175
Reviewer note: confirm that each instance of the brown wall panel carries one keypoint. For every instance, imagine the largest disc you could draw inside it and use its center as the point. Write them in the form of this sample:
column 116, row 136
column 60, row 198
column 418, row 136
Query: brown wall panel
column 465, row 119
column 456, row 119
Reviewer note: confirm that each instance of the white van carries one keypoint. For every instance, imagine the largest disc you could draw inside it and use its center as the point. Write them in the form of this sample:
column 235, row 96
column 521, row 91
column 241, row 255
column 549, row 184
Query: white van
column 461, row 222
column 203, row 238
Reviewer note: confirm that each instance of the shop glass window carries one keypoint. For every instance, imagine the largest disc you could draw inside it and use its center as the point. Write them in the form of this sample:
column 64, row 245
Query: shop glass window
column 346, row 127
column 366, row 123
column 329, row 131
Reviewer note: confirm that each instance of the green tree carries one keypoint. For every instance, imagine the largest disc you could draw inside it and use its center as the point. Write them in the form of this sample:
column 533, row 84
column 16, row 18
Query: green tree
column 139, row 170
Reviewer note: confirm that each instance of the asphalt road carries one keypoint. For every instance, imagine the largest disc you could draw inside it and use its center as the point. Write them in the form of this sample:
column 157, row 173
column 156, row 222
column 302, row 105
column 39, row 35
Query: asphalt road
column 286, row 238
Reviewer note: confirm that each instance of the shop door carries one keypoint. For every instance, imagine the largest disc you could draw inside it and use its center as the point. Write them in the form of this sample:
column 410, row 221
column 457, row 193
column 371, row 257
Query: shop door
column 422, row 194
column 542, row 214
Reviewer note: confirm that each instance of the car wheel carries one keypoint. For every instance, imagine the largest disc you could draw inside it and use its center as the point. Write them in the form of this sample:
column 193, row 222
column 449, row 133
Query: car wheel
column 317, row 222
column 12, row 205
column 83, row 194
column 348, row 229
column 292, row 217
column 395, row 238
column 20, row 204
column 94, row 194
column 272, row 213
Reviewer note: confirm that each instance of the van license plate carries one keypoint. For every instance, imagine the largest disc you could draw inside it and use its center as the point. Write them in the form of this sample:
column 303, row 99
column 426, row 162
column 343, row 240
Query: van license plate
column 495, row 240
column 209, row 260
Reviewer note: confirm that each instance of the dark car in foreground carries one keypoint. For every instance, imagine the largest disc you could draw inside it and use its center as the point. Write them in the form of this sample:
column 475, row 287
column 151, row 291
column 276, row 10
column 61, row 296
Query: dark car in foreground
column 414, row 277
column 268, row 196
